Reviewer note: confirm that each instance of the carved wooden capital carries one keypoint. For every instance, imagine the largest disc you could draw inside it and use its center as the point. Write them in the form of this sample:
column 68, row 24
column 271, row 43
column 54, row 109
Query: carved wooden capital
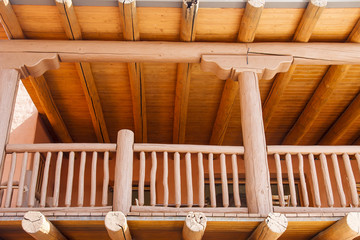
column 30, row 64
column 229, row 66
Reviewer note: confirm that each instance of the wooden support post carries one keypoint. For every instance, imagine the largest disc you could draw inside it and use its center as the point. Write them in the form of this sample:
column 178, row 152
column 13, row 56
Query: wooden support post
column 194, row 226
column 123, row 171
column 116, row 226
column 258, row 192
column 346, row 228
column 37, row 226
column 9, row 80
column 271, row 228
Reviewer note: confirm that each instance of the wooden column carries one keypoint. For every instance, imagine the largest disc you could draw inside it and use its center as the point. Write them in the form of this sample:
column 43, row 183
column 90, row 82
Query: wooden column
column 258, row 192
column 116, row 226
column 9, row 80
column 123, row 171
column 346, row 228
column 271, row 228
column 194, row 226
column 37, row 226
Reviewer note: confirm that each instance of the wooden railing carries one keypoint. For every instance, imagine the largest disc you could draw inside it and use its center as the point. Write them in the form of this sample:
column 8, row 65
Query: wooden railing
column 48, row 162
column 317, row 169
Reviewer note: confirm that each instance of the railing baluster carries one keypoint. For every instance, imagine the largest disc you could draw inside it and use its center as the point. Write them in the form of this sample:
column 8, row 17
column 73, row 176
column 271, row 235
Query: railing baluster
column 165, row 180
column 189, row 183
column 45, row 180
column 57, row 179
column 201, row 180
column 93, row 180
column 33, row 182
column 235, row 181
column 153, row 179
column 225, row 192
column 302, row 180
column 314, row 180
column 106, row 179
column 351, row 179
column 177, row 179
column 141, row 179
column 328, row 188
column 279, row 180
column 357, row 156
column 70, row 178
column 9, row 188
column 338, row 180
column 291, row 179
column 22, row 180
column 212, row 180
column 81, row 179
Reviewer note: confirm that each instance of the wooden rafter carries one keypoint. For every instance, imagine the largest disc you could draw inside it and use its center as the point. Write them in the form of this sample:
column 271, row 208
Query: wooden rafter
column 187, row 34
column 10, row 22
column 194, row 226
column 357, row 141
column 248, row 26
column 116, row 226
column 302, row 34
column 129, row 25
column 322, row 94
column 271, row 228
column 73, row 32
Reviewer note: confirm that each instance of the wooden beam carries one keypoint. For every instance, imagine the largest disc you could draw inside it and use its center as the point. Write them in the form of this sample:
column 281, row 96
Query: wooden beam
column 129, row 25
column 346, row 228
column 271, row 228
column 302, row 34
column 38, row 227
column 248, row 26
column 343, row 123
column 73, row 32
column 322, row 94
column 187, row 34
column 194, row 226
column 116, row 226
column 357, row 141
column 9, row 21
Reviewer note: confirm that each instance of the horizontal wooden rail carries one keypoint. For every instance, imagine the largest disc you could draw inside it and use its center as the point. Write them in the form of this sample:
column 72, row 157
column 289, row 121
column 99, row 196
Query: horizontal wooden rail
column 63, row 147
column 144, row 209
column 315, row 210
column 184, row 148
column 284, row 149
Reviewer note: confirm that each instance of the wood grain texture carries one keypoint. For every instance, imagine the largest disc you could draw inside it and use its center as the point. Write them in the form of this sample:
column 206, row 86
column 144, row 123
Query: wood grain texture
column 250, row 20
column 10, row 22
column 117, row 226
column 271, row 228
column 194, row 226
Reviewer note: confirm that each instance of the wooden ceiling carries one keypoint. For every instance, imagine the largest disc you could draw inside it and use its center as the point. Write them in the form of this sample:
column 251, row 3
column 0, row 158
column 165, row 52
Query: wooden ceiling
column 111, row 81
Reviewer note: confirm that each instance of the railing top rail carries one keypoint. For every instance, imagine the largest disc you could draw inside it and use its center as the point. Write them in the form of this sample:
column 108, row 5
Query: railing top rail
column 63, row 147
column 284, row 149
column 187, row 148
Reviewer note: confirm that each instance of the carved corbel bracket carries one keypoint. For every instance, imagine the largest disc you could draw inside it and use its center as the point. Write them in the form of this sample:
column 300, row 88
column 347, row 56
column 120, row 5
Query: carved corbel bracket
column 30, row 64
column 229, row 66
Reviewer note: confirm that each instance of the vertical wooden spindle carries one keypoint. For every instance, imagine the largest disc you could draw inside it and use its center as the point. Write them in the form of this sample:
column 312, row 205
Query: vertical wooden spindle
column 34, row 177
column 177, row 179
column 70, row 178
column 153, row 179
column 9, row 188
column 302, row 181
column 57, row 179
column 22, row 180
column 279, row 180
column 81, row 179
column 235, row 181
column 141, row 179
column 189, row 186
column 165, row 180
column 351, row 179
column 45, row 180
column 328, row 188
column 314, row 179
column 338, row 180
column 201, row 180
column 225, row 191
column 93, row 179
column 357, row 156
column 212, row 180
column 104, row 201
column 291, row 179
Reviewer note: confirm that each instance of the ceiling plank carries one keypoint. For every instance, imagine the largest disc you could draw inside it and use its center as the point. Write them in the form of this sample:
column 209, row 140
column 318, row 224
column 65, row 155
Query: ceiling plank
column 302, row 34
column 73, row 32
column 129, row 25
column 187, row 34
column 322, row 94
column 247, row 30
